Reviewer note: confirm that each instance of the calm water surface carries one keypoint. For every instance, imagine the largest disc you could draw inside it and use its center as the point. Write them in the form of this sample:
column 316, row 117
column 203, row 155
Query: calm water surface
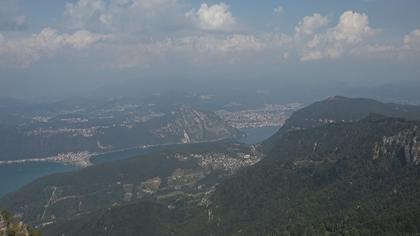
column 14, row 176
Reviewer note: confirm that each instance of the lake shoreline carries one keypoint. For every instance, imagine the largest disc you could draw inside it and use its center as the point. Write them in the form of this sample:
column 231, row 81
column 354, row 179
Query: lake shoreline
column 16, row 173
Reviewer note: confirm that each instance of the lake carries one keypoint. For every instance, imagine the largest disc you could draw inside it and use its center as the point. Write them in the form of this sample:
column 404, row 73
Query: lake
column 14, row 176
column 256, row 135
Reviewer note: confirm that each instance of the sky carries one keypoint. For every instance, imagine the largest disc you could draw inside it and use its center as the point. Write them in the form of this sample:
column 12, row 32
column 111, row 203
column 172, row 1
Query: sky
column 72, row 47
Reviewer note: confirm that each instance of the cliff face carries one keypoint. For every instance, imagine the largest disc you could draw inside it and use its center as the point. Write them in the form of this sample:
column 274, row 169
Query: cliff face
column 405, row 145
column 326, row 180
column 10, row 226
column 187, row 125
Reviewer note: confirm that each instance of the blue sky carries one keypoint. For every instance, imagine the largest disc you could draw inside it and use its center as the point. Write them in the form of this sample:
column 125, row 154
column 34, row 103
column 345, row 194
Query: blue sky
column 394, row 14
column 75, row 45
column 397, row 16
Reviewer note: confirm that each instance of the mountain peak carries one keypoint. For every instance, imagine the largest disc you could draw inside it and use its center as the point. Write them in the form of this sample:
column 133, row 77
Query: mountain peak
column 190, row 125
column 337, row 98
column 337, row 109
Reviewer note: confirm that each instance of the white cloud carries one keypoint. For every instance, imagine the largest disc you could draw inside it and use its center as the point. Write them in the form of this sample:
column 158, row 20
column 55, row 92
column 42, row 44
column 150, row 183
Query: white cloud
column 344, row 38
column 408, row 48
column 124, row 15
column 82, row 39
column 311, row 56
column 85, row 13
column 312, row 40
column 214, row 17
column 279, row 10
column 352, row 28
column 412, row 40
column 310, row 24
column 22, row 52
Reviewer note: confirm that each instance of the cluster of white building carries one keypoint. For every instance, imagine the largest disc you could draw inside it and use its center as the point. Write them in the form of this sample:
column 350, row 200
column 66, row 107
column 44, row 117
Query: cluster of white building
column 85, row 132
column 268, row 116
column 81, row 159
column 221, row 161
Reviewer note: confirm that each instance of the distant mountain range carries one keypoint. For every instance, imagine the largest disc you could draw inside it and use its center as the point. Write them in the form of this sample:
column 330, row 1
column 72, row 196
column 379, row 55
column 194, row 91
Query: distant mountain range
column 184, row 125
column 188, row 125
column 338, row 167
column 359, row 178
column 340, row 109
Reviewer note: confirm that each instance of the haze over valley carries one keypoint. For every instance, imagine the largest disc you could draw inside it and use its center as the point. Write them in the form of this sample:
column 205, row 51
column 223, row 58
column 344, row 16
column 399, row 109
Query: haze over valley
column 191, row 117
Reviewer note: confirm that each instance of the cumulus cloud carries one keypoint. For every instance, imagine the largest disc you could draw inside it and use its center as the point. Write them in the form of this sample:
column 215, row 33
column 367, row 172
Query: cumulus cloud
column 86, row 13
column 412, row 40
column 214, row 17
column 310, row 24
column 22, row 52
column 314, row 38
column 124, row 15
column 82, row 39
column 409, row 47
column 352, row 29
column 279, row 10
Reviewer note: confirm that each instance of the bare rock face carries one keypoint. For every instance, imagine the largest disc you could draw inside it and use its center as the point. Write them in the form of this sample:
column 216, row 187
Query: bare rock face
column 2, row 224
column 10, row 226
column 189, row 126
column 405, row 145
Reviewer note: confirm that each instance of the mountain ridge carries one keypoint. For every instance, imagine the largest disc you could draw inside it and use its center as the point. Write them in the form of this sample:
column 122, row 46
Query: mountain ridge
column 359, row 176
column 315, row 181
column 341, row 109
column 331, row 184
column 181, row 126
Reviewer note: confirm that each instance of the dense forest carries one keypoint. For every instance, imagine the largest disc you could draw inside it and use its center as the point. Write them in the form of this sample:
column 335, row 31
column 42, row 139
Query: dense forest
column 330, row 180
column 326, row 180
column 356, row 176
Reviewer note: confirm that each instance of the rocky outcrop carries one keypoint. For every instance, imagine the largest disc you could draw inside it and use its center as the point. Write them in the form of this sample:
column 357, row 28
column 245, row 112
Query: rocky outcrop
column 405, row 145
column 10, row 226
column 339, row 109
column 188, row 125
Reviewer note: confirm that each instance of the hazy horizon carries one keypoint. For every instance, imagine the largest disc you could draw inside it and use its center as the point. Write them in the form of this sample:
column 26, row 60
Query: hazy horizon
column 209, row 117
column 58, row 49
